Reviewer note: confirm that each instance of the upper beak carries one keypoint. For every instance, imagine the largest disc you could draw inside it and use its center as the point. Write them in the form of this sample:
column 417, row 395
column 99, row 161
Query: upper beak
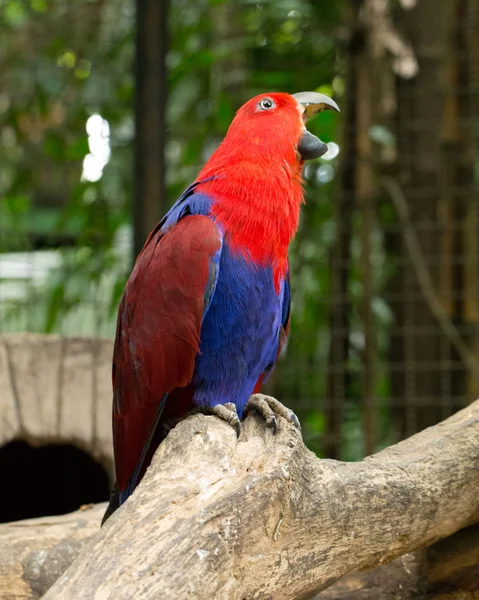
column 314, row 103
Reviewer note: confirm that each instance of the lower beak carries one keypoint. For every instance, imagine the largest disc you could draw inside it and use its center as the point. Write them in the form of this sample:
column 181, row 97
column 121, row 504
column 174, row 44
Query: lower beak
column 310, row 146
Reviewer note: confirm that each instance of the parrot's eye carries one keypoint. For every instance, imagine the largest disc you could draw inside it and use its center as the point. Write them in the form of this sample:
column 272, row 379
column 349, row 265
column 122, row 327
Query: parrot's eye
column 266, row 104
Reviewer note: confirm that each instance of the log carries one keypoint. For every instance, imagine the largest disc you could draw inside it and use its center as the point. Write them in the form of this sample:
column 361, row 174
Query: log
column 262, row 517
column 447, row 570
column 35, row 552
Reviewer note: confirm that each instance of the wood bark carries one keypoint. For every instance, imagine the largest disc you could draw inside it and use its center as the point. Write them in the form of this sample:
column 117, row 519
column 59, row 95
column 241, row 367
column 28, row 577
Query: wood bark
column 447, row 570
column 35, row 552
column 262, row 517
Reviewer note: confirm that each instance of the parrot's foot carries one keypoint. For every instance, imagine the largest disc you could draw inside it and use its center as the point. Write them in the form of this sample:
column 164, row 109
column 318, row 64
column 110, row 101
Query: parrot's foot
column 227, row 412
column 270, row 408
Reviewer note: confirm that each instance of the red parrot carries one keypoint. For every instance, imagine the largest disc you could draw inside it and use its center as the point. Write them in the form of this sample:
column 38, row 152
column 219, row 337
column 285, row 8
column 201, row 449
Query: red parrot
column 206, row 309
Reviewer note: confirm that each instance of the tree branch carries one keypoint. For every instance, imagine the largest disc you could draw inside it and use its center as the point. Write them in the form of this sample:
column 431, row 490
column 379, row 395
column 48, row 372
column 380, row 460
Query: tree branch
column 262, row 517
column 447, row 570
column 35, row 552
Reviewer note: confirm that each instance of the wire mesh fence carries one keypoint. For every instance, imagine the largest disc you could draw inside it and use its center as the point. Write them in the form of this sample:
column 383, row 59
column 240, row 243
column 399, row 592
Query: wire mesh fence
column 385, row 267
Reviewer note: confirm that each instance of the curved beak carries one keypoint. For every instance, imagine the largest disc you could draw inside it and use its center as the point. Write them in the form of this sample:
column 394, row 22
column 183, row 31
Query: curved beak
column 314, row 103
column 310, row 146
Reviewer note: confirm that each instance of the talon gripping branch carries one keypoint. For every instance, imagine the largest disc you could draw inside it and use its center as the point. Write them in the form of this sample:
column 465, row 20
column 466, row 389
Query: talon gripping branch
column 205, row 311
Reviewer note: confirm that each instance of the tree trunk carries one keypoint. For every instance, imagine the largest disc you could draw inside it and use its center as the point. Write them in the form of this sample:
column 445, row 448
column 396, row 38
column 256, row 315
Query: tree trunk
column 150, row 201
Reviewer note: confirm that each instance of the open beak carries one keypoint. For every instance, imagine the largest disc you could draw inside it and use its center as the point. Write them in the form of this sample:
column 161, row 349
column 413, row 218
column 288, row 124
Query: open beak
column 310, row 146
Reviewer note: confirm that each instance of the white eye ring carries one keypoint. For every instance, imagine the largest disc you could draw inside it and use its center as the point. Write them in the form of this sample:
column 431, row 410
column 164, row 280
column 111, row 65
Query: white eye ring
column 266, row 104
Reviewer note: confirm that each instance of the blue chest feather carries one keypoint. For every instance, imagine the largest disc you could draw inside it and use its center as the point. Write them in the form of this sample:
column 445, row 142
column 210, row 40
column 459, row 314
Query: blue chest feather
column 240, row 332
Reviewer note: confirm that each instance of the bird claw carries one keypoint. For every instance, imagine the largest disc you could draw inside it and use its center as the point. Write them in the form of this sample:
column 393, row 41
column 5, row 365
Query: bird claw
column 270, row 408
column 272, row 422
column 227, row 412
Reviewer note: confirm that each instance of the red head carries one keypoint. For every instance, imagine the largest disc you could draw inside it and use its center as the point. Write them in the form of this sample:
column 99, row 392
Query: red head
column 257, row 189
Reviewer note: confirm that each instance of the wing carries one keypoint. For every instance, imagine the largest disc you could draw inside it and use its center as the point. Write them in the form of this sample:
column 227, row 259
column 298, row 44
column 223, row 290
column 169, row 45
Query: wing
column 158, row 331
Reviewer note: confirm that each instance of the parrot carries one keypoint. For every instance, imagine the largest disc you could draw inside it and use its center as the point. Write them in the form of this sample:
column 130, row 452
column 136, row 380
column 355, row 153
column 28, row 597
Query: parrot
column 205, row 312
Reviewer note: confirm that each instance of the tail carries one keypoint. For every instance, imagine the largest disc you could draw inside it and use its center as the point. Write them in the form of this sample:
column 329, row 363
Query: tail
column 112, row 506
column 168, row 414
column 156, row 436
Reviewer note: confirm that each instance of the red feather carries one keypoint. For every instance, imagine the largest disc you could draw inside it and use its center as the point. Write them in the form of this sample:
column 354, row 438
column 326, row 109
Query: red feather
column 158, row 331
column 257, row 181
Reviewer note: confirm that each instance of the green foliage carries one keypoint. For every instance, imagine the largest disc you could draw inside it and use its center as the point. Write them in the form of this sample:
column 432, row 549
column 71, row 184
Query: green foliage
column 60, row 63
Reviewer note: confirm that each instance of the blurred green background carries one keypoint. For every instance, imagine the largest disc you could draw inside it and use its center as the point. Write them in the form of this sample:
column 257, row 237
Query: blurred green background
column 385, row 267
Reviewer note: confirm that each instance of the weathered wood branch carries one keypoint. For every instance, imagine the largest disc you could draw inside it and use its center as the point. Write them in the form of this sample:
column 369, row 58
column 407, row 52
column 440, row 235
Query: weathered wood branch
column 262, row 517
column 35, row 552
column 447, row 570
